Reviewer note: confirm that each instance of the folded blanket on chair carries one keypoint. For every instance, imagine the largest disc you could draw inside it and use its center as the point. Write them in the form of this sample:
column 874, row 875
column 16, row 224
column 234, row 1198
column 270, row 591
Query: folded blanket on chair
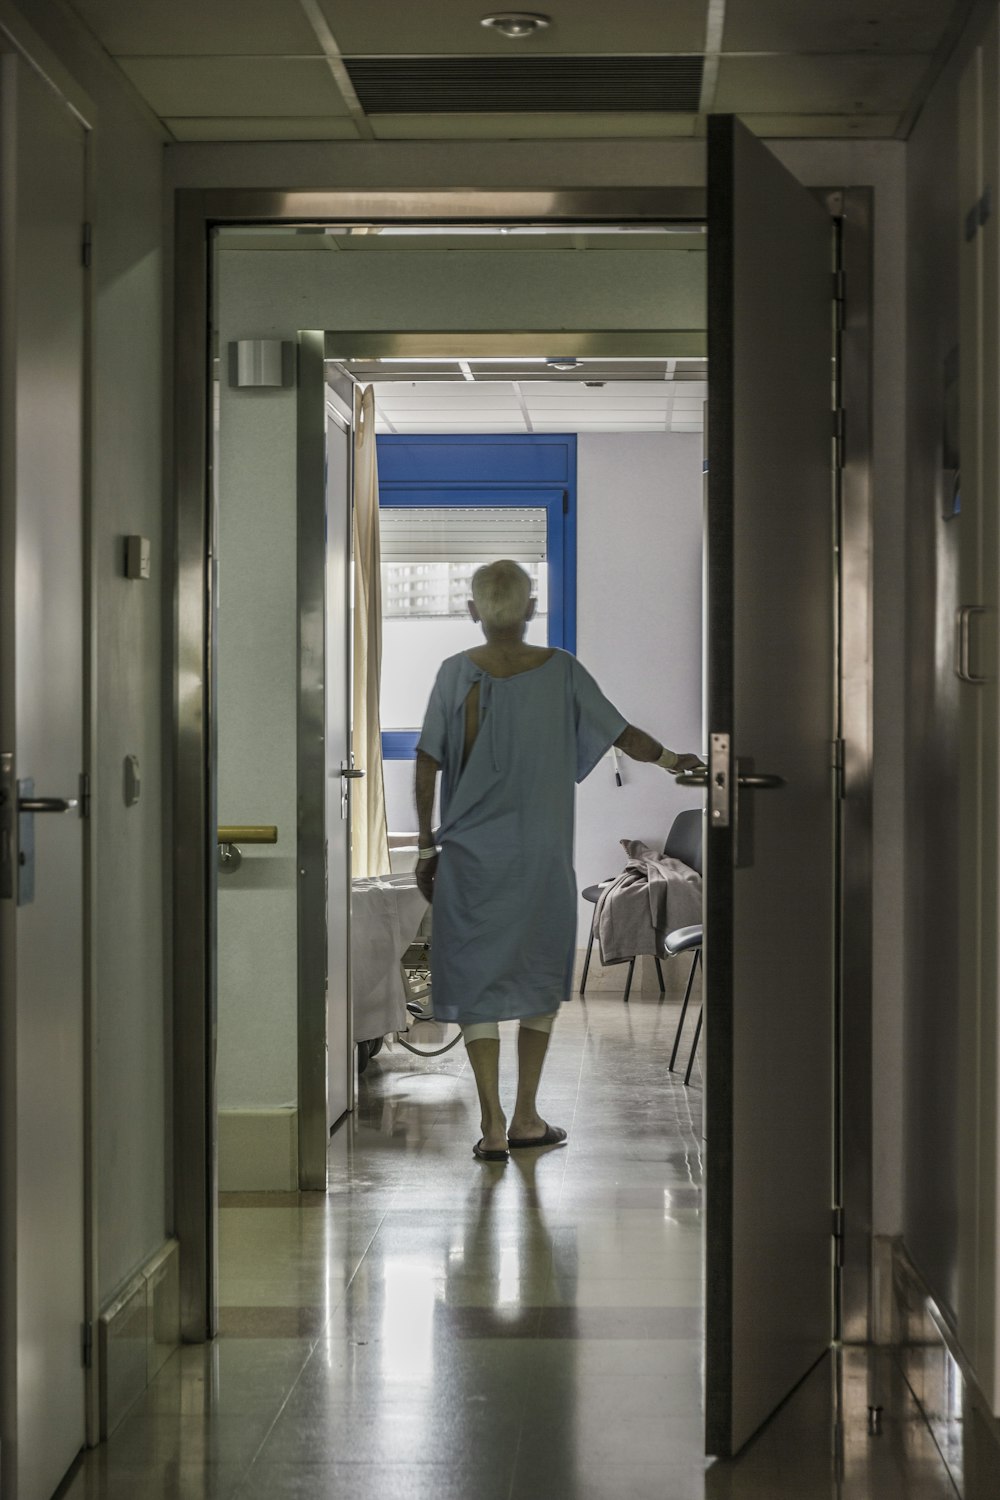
column 652, row 896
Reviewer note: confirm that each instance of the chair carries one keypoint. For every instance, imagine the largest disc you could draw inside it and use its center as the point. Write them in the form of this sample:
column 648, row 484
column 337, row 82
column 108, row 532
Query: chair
column 686, row 940
column 683, row 843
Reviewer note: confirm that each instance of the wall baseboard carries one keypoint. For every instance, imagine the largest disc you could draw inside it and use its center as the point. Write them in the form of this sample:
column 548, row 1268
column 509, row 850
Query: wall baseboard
column 137, row 1333
column 611, row 979
column 258, row 1150
column 943, row 1383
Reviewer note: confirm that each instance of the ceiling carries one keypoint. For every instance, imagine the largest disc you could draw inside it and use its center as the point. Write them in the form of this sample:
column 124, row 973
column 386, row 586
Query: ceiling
column 399, row 70
column 647, row 396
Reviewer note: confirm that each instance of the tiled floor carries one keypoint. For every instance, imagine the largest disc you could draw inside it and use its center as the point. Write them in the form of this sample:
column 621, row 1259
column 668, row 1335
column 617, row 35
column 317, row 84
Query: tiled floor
column 437, row 1329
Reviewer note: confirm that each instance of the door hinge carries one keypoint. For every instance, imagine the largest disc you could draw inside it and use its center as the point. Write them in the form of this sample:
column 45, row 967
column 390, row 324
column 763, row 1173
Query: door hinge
column 565, row 502
column 838, row 1236
column 86, row 245
column 840, row 298
column 839, row 424
column 838, row 750
column 84, row 794
column 87, row 1345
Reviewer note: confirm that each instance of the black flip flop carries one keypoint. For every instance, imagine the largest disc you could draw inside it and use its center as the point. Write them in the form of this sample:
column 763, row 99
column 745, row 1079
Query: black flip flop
column 554, row 1136
column 481, row 1154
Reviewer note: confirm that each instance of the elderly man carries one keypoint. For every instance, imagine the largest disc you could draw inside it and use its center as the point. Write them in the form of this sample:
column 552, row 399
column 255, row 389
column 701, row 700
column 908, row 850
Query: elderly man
column 512, row 728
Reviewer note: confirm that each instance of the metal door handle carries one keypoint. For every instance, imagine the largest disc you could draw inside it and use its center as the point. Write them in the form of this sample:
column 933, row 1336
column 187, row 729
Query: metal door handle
column 349, row 773
column 753, row 782
column 963, row 617
column 47, row 804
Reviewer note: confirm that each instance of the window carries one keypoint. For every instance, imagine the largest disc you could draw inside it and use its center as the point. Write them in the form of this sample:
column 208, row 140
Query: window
column 434, row 537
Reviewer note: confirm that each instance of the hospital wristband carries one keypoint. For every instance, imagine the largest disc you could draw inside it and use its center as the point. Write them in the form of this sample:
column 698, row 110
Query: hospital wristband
column 426, row 853
column 667, row 759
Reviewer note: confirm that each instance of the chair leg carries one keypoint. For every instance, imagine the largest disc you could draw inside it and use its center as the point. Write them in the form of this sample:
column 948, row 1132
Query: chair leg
column 628, row 982
column 684, row 1007
column 659, row 975
column 590, row 949
column 694, row 1044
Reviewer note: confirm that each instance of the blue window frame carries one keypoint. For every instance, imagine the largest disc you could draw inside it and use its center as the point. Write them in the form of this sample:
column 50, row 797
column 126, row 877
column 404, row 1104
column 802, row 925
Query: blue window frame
column 491, row 470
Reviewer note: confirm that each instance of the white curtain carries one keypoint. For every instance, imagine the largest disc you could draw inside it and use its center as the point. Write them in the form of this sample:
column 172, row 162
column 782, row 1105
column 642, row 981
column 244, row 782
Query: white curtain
column 369, row 836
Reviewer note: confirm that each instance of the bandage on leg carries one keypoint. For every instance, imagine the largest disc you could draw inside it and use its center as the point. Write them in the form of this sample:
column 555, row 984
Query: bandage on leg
column 481, row 1031
column 538, row 1023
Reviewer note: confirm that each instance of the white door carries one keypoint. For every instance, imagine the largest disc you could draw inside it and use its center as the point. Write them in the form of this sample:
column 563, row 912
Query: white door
column 340, row 1037
column 41, row 738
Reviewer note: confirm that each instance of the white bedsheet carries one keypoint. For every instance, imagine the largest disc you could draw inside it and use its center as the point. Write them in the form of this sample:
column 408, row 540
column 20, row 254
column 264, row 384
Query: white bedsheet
column 386, row 912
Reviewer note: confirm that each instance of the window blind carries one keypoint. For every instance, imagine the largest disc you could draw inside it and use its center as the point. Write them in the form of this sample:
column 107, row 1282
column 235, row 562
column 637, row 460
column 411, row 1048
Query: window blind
column 461, row 534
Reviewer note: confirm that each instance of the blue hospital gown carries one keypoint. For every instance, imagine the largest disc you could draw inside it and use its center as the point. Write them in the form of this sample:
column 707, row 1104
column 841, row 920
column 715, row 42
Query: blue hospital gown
column 505, row 890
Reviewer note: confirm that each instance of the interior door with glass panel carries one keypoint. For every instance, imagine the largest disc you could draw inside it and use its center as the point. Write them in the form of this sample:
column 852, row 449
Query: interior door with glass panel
column 769, row 859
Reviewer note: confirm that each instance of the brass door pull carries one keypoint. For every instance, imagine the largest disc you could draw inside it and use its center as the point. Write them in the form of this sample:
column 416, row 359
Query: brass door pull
column 248, row 833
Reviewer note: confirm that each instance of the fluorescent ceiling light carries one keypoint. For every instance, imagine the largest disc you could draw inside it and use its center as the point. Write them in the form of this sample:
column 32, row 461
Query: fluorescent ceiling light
column 421, row 231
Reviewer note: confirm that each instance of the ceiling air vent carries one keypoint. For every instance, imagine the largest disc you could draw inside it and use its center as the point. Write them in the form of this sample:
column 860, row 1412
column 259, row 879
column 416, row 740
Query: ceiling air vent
column 508, row 85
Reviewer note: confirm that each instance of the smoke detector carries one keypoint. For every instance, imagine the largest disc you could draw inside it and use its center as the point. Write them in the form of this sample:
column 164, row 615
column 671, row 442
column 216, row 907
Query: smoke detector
column 514, row 23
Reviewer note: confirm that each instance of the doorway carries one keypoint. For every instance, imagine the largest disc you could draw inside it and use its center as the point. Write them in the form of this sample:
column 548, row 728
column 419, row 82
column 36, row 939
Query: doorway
column 336, row 210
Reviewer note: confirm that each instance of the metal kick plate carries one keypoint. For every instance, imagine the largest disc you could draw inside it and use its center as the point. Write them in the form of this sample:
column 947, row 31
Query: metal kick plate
column 719, row 791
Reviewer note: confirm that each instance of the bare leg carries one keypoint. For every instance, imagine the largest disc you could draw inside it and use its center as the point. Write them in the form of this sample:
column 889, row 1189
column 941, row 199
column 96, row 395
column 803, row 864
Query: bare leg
column 531, row 1049
column 484, row 1055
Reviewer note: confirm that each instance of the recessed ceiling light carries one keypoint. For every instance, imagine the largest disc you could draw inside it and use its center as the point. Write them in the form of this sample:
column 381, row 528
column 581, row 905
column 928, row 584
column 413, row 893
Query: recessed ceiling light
column 516, row 22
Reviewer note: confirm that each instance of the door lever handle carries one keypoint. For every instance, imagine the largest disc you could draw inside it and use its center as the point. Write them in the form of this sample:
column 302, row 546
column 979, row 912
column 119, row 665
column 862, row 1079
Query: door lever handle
column 752, row 781
column 351, row 773
column 47, row 804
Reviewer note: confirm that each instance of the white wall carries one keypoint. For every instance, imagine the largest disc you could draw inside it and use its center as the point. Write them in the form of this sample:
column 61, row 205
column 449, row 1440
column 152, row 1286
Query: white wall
column 257, row 731
column 639, row 627
column 130, row 691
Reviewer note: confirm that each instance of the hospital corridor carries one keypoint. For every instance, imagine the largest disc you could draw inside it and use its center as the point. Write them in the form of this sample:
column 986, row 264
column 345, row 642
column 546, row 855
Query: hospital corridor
column 515, row 1332
column 499, row 750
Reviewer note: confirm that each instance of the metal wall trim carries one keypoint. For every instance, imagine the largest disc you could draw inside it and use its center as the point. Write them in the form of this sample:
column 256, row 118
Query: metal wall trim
column 455, row 206
column 855, row 209
column 607, row 343
column 194, row 1029
column 196, row 211
column 311, row 761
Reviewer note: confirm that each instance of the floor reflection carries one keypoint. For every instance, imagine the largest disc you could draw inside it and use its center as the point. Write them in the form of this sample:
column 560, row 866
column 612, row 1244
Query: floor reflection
column 438, row 1329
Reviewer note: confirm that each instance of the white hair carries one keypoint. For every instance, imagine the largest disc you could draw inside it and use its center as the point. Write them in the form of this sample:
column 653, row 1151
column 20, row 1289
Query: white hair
column 501, row 592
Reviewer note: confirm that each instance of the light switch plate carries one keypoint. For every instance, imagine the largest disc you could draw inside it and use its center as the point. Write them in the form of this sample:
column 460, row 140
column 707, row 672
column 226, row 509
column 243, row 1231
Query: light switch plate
column 137, row 557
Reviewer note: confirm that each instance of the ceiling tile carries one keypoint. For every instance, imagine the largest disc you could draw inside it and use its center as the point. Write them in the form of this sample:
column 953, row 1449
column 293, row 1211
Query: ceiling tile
column 264, row 128
column 892, row 26
column 150, row 28
column 855, row 85
column 235, row 86
column 488, row 127
column 452, row 28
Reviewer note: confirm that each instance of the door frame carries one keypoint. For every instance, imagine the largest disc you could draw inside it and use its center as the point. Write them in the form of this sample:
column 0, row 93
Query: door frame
column 197, row 213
